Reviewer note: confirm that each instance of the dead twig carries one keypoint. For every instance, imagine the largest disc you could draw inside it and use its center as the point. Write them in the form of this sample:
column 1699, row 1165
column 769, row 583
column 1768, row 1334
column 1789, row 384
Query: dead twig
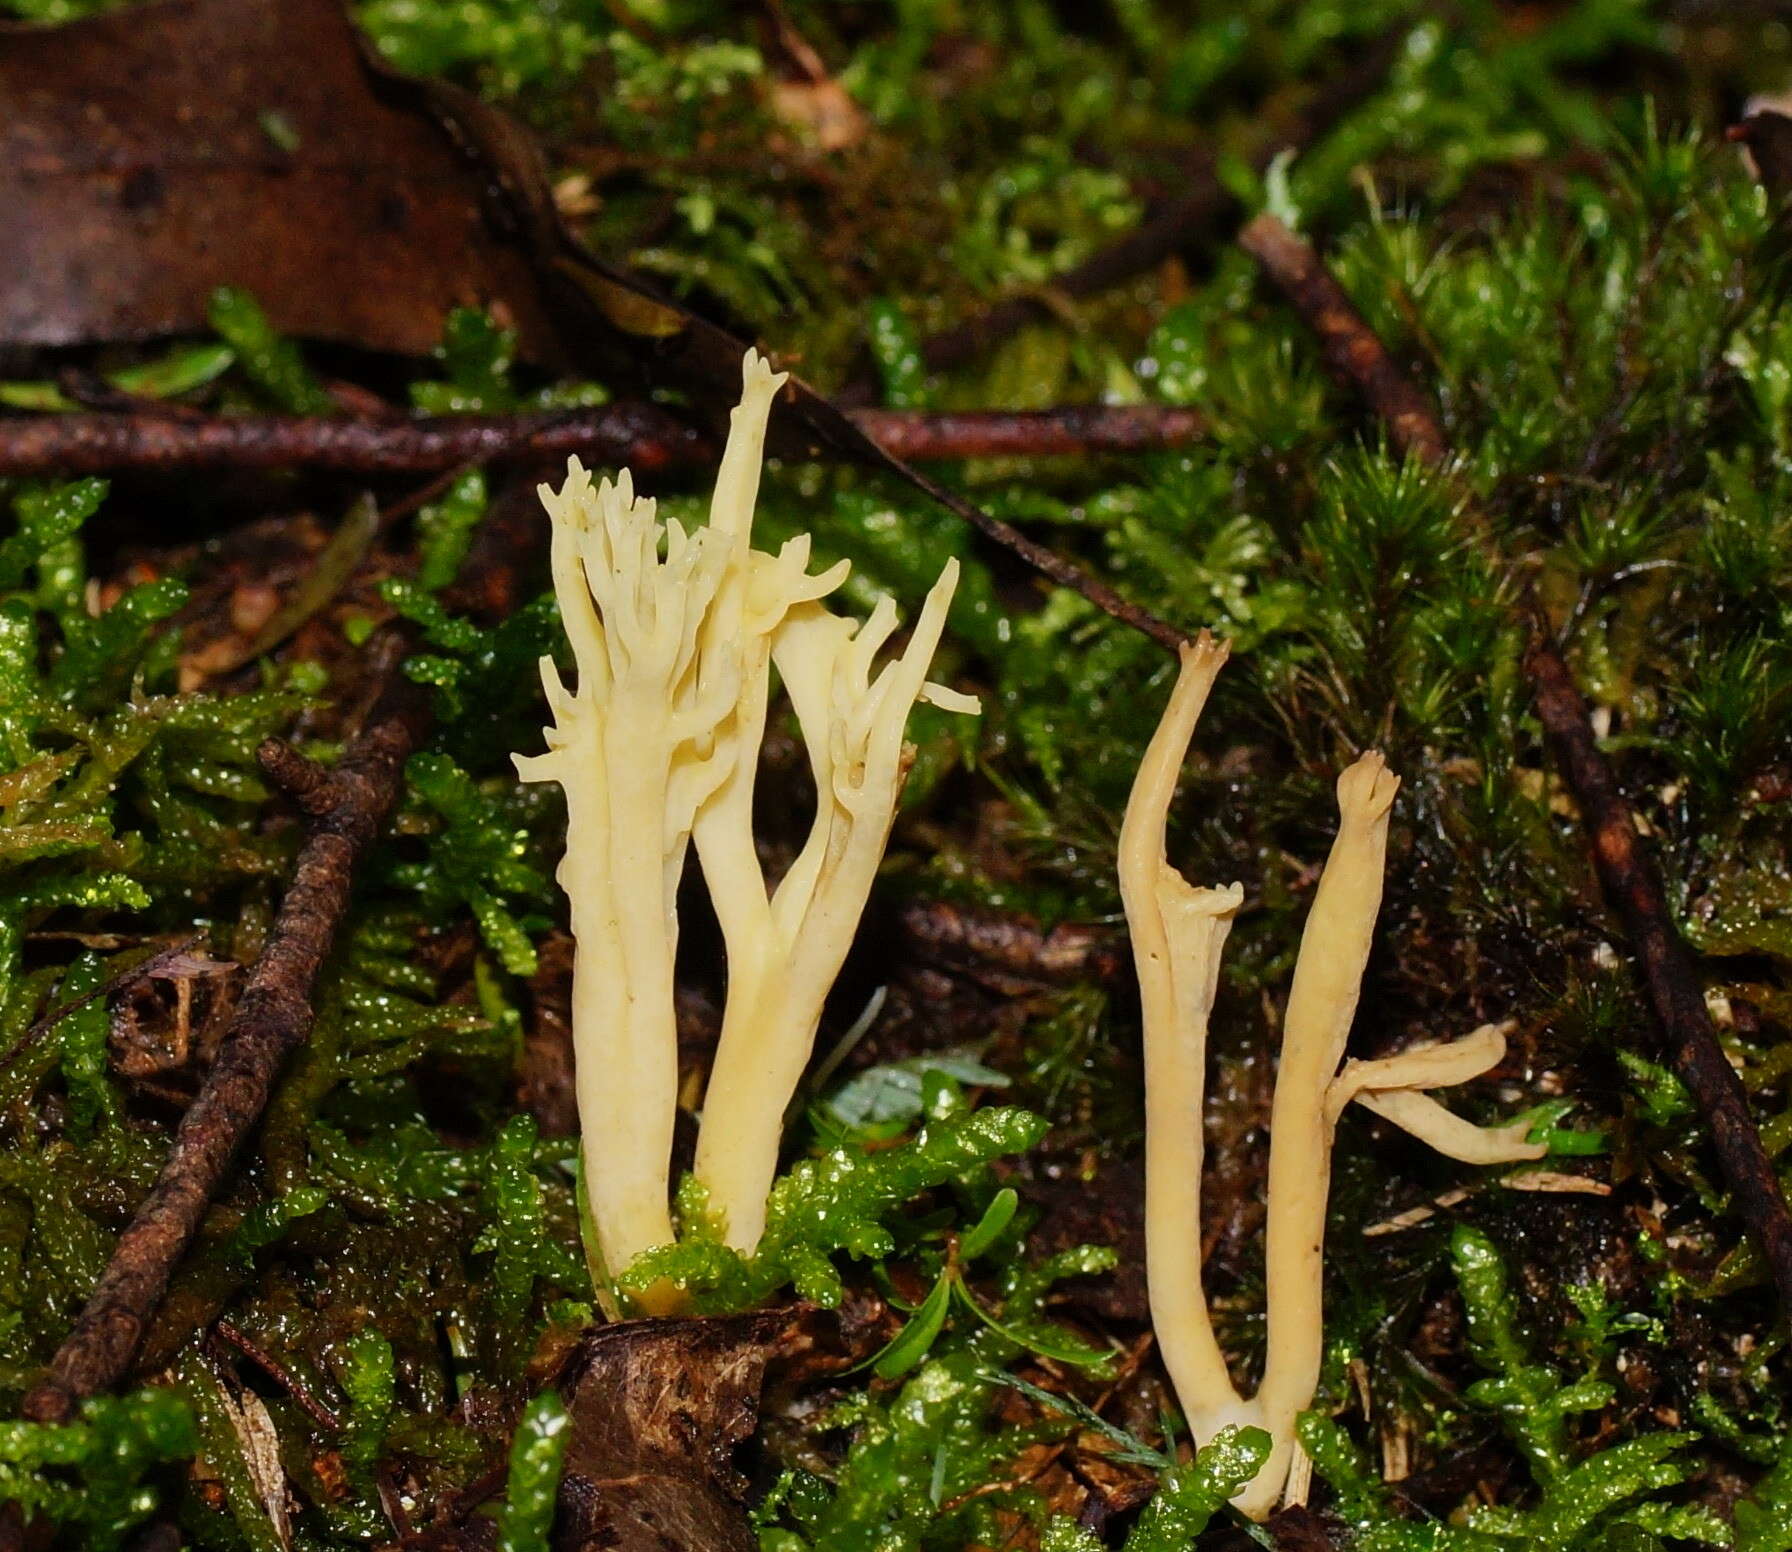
column 1046, row 561
column 1352, row 351
column 281, row 1376
column 346, row 809
column 643, row 436
column 1628, row 877
column 640, row 435
column 1068, row 429
column 1670, row 970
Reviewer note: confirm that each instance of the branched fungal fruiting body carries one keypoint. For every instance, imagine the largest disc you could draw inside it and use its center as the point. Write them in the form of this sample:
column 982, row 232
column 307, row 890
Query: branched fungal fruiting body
column 784, row 951
column 675, row 637
column 627, row 748
column 1178, row 932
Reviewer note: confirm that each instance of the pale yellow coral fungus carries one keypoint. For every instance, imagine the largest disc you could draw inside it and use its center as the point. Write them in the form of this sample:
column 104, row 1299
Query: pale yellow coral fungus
column 1178, row 932
column 675, row 637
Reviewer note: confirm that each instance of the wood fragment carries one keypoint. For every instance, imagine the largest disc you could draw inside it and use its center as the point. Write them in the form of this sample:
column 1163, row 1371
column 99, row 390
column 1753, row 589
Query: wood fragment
column 1008, row 952
column 658, row 1408
column 1299, row 1529
column 1628, row 877
column 1555, row 1182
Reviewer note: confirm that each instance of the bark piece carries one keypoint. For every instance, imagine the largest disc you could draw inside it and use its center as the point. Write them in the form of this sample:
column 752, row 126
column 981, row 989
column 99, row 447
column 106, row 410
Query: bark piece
column 657, row 1409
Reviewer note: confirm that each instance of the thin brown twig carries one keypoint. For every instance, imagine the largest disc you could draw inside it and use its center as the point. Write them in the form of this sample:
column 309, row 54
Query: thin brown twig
column 640, row 435
column 1669, row 967
column 1352, row 351
column 272, row 1018
column 1048, row 562
column 1628, row 876
column 643, row 436
column 281, row 1376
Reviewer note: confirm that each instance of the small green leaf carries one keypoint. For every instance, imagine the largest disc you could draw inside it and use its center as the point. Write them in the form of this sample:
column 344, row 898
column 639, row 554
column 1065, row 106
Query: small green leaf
column 1044, row 1337
column 270, row 360
column 996, row 1217
column 915, row 1340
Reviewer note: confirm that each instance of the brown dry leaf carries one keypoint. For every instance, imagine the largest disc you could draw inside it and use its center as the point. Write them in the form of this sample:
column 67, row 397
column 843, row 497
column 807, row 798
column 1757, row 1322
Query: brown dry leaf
column 657, row 1408
column 151, row 155
column 824, row 109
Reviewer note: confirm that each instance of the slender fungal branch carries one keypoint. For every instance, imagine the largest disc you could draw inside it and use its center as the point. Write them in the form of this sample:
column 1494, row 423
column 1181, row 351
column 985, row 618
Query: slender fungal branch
column 784, row 953
column 1328, row 977
column 1178, row 932
column 786, row 946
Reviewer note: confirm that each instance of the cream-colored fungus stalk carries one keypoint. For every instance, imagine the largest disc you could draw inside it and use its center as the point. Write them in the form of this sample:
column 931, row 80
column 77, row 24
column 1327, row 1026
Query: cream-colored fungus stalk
column 675, row 636
column 1178, row 932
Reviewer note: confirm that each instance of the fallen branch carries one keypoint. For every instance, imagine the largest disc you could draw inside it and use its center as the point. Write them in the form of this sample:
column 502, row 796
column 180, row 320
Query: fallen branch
column 1070, row 429
column 1204, row 206
column 346, row 807
column 1632, row 887
column 1628, row 877
column 642, row 436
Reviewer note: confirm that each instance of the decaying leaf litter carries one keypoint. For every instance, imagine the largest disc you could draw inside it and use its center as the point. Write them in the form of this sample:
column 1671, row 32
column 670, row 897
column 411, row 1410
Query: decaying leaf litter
column 1585, row 1355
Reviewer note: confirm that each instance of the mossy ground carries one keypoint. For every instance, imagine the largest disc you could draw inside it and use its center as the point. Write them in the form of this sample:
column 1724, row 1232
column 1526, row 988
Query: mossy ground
column 1540, row 216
